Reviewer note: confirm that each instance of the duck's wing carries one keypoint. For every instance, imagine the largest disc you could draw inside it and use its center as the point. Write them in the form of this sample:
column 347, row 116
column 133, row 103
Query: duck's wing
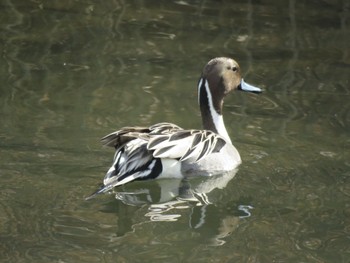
column 185, row 144
column 124, row 135
column 164, row 128
column 167, row 140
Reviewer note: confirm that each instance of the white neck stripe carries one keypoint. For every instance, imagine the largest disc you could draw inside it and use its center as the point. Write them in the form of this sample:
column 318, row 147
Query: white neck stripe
column 217, row 118
column 199, row 90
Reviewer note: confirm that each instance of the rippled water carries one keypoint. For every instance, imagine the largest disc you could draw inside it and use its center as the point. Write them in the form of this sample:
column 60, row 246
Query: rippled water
column 73, row 71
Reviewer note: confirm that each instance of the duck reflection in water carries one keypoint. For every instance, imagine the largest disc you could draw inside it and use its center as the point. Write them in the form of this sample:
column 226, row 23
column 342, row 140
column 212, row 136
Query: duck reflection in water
column 195, row 200
column 174, row 190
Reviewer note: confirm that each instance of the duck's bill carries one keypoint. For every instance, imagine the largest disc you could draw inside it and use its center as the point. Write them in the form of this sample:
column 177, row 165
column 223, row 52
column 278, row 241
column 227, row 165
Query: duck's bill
column 244, row 86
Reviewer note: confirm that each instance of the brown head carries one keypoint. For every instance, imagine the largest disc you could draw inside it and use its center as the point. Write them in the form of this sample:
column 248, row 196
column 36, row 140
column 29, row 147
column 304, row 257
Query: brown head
column 223, row 75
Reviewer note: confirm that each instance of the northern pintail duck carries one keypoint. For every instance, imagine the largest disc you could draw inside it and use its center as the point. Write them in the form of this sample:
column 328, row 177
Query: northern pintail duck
column 165, row 150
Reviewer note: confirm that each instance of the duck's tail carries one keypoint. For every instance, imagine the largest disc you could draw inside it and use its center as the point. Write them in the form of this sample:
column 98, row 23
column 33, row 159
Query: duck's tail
column 103, row 189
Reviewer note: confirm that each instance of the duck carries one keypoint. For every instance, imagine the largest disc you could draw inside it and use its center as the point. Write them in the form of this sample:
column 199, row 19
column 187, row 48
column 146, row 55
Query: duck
column 165, row 150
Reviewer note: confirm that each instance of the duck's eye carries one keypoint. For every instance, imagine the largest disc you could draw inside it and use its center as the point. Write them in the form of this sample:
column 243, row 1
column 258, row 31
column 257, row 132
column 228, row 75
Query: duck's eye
column 234, row 69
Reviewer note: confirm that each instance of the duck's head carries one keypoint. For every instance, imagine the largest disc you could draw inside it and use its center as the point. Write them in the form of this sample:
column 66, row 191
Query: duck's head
column 222, row 75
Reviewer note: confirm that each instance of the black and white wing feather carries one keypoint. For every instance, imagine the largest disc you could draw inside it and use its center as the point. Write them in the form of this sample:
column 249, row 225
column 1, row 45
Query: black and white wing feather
column 186, row 144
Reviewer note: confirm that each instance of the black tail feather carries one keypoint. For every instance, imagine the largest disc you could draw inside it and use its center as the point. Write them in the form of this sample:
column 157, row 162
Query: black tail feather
column 103, row 189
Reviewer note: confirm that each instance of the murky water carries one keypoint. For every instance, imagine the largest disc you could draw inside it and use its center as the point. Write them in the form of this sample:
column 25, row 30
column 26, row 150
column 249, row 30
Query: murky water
column 73, row 71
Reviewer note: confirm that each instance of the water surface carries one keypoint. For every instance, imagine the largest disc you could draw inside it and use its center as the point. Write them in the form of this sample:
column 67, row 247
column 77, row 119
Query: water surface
column 73, row 71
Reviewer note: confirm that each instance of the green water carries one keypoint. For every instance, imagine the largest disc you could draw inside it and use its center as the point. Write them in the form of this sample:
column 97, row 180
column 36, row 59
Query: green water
column 73, row 71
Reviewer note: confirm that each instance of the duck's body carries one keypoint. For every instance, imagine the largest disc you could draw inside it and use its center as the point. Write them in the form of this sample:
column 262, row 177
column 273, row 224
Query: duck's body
column 165, row 150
